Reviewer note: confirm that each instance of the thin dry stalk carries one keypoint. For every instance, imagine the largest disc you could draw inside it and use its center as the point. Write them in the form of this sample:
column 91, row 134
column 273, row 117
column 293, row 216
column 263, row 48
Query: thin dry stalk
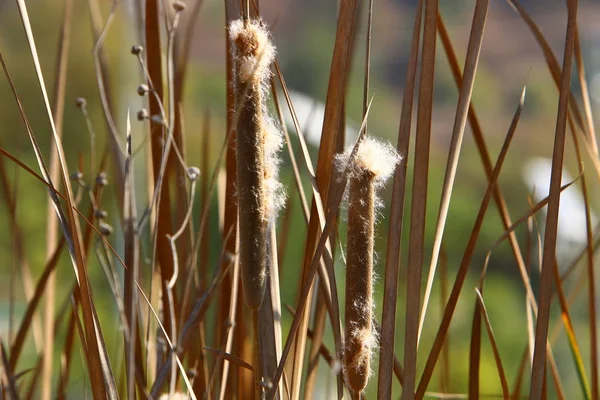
column 396, row 218
column 333, row 106
column 52, row 222
column 550, row 237
column 460, row 121
column 419, row 199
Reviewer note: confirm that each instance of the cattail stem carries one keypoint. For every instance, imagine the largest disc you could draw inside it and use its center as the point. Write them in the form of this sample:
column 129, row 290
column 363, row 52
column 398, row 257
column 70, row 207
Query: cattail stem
column 359, row 280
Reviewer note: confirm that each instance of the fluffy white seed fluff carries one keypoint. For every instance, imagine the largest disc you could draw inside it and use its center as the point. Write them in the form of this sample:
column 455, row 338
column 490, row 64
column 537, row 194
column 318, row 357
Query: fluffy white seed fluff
column 373, row 156
column 259, row 53
column 175, row 396
column 254, row 52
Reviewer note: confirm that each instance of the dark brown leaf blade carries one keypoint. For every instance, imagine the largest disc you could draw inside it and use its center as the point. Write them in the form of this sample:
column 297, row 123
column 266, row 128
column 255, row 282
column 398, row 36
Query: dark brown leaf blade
column 550, row 235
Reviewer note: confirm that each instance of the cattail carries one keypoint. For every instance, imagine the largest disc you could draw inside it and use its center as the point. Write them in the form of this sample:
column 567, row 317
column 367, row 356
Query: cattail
column 373, row 164
column 257, row 143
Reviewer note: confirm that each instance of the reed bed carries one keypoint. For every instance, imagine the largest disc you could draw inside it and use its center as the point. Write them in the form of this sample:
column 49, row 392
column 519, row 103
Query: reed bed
column 161, row 279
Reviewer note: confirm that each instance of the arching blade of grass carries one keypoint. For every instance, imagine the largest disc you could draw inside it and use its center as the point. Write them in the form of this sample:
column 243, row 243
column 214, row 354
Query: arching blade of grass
column 467, row 256
column 69, row 222
column 103, row 79
column 555, row 72
column 490, row 332
column 396, row 218
column 486, row 160
column 550, row 236
column 58, row 104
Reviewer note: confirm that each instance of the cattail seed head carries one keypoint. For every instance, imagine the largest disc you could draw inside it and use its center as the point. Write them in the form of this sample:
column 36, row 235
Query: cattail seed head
column 257, row 143
column 373, row 163
column 136, row 49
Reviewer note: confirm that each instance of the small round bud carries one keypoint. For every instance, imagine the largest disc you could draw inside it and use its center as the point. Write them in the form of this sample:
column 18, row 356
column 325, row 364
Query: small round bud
column 143, row 89
column 100, row 214
column 193, row 173
column 136, row 49
column 80, row 102
column 76, row 176
column 179, row 6
column 105, row 229
column 142, row 114
column 101, row 179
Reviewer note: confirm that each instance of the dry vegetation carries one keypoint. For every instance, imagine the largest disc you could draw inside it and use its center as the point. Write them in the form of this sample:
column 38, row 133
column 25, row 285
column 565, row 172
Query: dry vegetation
column 191, row 329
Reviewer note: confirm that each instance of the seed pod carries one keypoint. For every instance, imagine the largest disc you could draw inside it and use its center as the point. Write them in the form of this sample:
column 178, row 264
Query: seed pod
column 373, row 164
column 257, row 141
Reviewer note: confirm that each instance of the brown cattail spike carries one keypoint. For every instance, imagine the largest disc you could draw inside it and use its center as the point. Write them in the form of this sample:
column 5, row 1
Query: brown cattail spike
column 257, row 143
column 373, row 164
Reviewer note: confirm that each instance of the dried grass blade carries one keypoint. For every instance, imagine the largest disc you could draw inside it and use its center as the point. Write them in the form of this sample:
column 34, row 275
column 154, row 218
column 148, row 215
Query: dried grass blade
column 570, row 330
column 333, row 107
column 17, row 345
column 419, row 199
column 486, row 161
column 467, row 256
column 396, row 218
column 70, row 225
column 460, row 122
column 585, row 93
column 550, row 236
column 52, row 222
column 232, row 12
column 490, row 332
column 160, row 146
column 7, row 376
column 133, row 355
column 104, row 89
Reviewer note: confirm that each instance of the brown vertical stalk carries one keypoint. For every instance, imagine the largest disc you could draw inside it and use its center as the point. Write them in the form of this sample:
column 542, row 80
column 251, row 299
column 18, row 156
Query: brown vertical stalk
column 158, row 140
column 396, row 217
column 230, row 207
column 539, row 356
column 419, row 199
